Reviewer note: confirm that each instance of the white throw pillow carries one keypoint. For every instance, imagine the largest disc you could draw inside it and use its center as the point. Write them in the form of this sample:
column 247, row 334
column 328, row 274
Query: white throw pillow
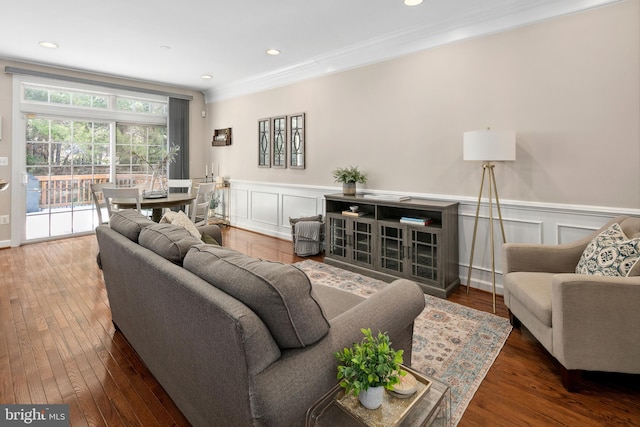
column 181, row 219
column 610, row 253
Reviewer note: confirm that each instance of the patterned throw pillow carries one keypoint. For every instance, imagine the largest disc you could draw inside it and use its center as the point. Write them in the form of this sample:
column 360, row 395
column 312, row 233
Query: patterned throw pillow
column 610, row 253
column 181, row 219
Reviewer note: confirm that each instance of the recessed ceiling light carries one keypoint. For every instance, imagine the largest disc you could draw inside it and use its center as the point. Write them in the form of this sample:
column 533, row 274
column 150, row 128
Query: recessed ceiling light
column 165, row 47
column 273, row 52
column 49, row 45
column 206, row 76
column 412, row 2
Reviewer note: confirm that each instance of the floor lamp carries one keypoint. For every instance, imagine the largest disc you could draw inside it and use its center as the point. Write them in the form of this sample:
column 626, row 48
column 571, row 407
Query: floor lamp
column 488, row 146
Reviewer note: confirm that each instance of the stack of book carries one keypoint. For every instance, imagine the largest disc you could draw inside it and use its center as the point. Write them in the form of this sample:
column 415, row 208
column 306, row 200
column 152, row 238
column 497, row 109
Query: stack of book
column 415, row 220
column 353, row 213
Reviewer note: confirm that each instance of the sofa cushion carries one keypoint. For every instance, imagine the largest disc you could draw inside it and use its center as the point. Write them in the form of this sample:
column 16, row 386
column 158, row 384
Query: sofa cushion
column 129, row 223
column 171, row 242
column 610, row 253
column 280, row 294
column 533, row 290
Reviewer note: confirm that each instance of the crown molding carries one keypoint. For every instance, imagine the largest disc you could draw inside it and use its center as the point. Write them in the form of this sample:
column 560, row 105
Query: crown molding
column 410, row 40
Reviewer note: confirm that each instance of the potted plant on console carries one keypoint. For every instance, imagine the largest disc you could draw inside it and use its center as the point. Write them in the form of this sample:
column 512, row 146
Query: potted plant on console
column 349, row 177
column 368, row 367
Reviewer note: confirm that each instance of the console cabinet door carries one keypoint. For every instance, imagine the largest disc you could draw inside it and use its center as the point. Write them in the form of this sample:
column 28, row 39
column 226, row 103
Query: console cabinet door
column 351, row 239
column 410, row 251
column 391, row 252
column 424, row 257
column 362, row 232
column 337, row 236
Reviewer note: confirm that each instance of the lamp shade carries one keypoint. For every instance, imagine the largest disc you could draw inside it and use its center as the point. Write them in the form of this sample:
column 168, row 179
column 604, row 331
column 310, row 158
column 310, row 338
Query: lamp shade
column 489, row 145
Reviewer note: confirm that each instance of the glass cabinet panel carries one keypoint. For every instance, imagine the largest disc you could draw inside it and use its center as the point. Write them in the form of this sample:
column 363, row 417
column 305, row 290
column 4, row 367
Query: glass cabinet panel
column 424, row 254
column 337, row 236
column 362, row 250
column 391, row 248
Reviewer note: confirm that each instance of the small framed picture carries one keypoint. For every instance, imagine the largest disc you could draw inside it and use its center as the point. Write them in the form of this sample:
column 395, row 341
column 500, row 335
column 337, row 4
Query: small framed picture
column 221, row 137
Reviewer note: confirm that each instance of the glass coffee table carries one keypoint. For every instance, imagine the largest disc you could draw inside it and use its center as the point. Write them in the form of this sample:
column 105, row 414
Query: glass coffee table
column 432, row 408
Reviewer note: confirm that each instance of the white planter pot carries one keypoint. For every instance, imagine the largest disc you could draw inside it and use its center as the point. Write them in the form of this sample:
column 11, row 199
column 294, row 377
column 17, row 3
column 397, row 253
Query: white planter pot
column 371, row 398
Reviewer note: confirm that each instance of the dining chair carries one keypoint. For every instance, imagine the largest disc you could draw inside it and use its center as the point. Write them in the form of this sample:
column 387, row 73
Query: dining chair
column 180, row 186
column 123, row 194
column 179, row 183
column 98, row 200
column 200, row 205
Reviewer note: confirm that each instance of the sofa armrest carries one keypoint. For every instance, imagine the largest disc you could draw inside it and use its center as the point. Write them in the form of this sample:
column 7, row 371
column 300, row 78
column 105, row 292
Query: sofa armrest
column 596, row 325
column 392, row 310
column 213, row 231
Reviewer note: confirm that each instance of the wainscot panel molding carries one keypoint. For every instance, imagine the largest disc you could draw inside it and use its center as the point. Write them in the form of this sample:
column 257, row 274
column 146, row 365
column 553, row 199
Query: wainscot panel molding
column 262, row 207
column 272, row 204
column 240, row 203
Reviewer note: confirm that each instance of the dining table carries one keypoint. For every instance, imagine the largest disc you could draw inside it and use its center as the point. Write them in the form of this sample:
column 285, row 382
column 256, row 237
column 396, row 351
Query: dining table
column 157, row 204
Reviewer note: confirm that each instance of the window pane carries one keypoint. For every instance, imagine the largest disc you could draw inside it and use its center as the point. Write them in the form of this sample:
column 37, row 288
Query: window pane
column 141, row 106
column 101, row 133
column 81, row 100
column 37, row 153
column 58, row 97
column 37, row 130
column 139, row 145
column 60, row 130
column 33, row 94
column 100, row 102
column 101, row 154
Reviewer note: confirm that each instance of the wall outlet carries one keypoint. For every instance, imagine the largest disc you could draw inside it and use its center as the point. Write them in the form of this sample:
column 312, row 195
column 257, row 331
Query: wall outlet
column 4, row 161
column 4, row 219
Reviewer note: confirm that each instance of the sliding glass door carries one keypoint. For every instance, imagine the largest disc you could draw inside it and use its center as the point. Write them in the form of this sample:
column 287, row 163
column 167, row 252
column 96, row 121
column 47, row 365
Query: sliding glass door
column 63, row 158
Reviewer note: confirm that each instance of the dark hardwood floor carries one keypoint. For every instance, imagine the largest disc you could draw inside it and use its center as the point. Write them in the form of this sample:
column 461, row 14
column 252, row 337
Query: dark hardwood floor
column 58, row 345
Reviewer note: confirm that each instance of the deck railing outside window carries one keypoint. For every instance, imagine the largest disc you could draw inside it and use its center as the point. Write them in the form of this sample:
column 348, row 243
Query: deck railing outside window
column 61, row 191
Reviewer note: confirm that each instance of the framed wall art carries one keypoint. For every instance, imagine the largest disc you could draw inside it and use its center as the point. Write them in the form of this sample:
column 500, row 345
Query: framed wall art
column 296, row 141
column 264, row 143
column 279, row 154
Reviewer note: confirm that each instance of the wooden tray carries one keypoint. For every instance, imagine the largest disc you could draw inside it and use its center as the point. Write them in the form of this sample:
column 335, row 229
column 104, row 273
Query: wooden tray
column 393, row 409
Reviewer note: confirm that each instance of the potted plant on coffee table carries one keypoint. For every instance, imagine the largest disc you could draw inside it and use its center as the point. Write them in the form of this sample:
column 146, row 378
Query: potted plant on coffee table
column 349, row 177
column 368, row 367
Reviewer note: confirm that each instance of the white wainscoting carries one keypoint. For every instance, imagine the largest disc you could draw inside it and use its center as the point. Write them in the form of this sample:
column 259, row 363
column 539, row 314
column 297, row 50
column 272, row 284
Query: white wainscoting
column 266, row 208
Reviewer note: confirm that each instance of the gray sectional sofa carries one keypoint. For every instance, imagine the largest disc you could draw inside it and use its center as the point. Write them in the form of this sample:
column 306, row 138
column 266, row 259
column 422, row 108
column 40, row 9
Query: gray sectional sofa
column 235, row 340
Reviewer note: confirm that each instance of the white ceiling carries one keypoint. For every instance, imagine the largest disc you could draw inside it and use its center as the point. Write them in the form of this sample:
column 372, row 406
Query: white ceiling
column 228, row 39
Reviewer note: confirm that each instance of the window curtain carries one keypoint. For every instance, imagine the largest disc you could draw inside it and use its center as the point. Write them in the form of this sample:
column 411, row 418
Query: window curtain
column 178, row 131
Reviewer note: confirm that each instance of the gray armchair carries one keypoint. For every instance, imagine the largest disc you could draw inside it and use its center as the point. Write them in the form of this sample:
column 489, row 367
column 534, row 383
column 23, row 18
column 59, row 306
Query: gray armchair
column 588, row 323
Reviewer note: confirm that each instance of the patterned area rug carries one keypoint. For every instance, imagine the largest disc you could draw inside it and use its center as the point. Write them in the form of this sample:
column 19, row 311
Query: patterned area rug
column 451, row 343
